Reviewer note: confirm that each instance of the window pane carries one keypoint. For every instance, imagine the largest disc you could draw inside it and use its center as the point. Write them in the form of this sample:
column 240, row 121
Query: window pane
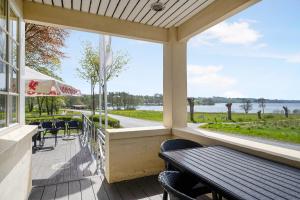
column 2, row 111
column 2, row 45
column 13, row 81
column 13, row 24
column 3, row 14
column 2, row 76
column 13, row 117
column 13, row 53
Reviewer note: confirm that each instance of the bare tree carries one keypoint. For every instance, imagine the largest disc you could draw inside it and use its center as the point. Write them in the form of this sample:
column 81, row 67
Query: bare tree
column 262, row 104
column 259, row 114
column 246, row 105
column 229, row 105
column 286, row 111
column 191, row 102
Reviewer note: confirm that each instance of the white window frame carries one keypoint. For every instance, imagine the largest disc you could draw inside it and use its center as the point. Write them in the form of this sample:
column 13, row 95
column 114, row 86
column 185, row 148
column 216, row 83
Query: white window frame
column 9, row 41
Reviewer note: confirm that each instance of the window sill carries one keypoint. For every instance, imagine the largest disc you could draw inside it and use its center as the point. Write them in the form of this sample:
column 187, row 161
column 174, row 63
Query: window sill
column 12, row 135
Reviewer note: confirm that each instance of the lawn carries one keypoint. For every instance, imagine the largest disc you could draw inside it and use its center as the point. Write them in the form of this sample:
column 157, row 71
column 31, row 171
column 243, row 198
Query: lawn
column 283, row 130
column 202, row 117
column 139, row 114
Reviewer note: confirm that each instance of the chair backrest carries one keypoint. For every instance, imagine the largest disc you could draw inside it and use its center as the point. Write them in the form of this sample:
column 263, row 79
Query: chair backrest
column 73, row 124
column 60, row 124
column 47, row 125
column 176, row 144
column 35, row 123
column 172, row 182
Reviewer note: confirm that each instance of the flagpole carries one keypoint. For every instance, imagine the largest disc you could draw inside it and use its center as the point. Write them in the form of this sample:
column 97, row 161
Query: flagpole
column 105, row 88
column 100, row 78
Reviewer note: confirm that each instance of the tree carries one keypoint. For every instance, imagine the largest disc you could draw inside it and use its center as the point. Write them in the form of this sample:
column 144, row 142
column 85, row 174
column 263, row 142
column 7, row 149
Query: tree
column 191, row 102
column 259, row 114
column 43, row 46
column 286, row 111
column 229, row 105
column 262, row 104
column 89, row 69
column 246, row 105
column 43, row 53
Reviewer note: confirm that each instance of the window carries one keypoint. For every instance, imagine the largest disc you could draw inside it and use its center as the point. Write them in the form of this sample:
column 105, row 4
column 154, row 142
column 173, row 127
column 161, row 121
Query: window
column 9, row 65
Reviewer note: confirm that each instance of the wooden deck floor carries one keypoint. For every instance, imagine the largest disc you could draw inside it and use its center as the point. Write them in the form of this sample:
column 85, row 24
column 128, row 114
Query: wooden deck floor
column 68, row 171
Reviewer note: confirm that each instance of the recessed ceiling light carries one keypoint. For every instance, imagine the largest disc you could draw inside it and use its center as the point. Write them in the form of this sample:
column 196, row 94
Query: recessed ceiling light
column 157, row 6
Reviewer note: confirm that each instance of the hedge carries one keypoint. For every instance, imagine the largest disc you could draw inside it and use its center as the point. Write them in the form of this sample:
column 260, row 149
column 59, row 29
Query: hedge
column 114, row 123
column 111, row 121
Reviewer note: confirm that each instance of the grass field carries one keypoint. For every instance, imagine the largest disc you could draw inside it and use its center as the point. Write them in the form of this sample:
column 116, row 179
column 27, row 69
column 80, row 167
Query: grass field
column 203, row 117
column 140, row 114
column 284, row 130
column 271, row 126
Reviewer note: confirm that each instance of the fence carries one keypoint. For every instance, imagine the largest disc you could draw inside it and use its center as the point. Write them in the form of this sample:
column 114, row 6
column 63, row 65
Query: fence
column 95, row 139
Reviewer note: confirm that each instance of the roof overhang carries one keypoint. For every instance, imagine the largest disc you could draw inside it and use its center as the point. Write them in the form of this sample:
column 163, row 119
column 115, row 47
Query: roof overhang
column 188, row 17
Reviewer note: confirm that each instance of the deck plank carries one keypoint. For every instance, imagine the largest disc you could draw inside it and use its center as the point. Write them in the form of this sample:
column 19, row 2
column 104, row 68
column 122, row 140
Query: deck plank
column 98, row 188
column 49, row 192
column 74, row 190
column 86, row 189
column 62, row 191
column 36, row 193
column 68, row 171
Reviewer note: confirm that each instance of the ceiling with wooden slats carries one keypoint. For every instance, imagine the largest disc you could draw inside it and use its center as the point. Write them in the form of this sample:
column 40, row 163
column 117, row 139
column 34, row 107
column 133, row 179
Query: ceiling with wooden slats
column 175, row 12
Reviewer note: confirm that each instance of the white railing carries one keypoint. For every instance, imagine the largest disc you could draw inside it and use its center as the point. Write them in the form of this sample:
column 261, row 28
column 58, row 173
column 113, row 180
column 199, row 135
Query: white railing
column 95, row 139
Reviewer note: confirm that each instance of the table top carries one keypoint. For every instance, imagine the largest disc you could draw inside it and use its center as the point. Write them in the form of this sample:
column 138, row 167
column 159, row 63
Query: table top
column 238, row 175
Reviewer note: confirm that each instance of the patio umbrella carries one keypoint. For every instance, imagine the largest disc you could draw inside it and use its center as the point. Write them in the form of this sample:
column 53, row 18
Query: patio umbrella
column 38, row 84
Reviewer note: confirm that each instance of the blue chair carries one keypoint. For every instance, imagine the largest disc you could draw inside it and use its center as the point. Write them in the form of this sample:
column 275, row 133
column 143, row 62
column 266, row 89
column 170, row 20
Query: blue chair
column 179, row 186
column 73, row 125
column 49, row 127
column 177, row 144
column 36, row 136
column 61, row 125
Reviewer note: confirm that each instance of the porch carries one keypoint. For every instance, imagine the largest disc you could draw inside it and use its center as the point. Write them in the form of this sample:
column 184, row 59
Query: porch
column 68, row 171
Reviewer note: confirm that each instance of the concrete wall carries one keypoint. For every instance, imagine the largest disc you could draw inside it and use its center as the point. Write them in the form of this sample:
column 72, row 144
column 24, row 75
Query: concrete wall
column 15, row 165
column 133, row 152
column 15, row 141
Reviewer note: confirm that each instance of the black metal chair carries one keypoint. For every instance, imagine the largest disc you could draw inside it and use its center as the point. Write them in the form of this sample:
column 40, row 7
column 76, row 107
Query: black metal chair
column 37, row 136
column 178, row 186
column 49, row 127
column 61, row 125
column 73, row 125
column 177, row 144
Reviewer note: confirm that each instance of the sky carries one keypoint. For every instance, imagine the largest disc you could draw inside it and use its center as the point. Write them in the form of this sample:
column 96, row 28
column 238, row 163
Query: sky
column 255, row 53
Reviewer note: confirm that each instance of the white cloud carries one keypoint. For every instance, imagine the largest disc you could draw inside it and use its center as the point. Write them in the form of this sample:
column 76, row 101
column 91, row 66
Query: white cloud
column 229, row 33
column 208, row 76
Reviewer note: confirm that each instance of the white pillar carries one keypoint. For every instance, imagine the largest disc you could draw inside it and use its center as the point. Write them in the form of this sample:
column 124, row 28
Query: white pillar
column 175, row 82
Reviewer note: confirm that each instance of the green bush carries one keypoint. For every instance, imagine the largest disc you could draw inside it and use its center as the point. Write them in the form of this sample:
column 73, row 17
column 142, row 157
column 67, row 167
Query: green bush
column 111, row 121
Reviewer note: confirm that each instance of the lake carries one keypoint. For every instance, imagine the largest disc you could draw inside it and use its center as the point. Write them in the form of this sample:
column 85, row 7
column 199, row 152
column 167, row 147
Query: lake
column 220, row 107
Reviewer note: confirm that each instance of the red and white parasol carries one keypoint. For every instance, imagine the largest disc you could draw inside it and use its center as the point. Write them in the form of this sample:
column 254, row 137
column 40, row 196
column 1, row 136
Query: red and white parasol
column 38, row 84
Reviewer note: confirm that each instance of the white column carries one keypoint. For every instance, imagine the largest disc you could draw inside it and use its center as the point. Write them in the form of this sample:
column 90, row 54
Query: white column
column 175, row 82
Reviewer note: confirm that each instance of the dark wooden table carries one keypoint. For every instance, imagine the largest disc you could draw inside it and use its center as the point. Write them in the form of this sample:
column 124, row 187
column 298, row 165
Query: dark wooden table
column 238, row 175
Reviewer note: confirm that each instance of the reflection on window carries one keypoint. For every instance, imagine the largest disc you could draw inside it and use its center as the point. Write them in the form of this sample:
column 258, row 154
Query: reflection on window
column 9, row 69
column 13, row 53
column 13, row 24
column 2, row 45
column 2, row 111
column 3, row 14
column 13, row 81
column 13, row 107
column 2, row 76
